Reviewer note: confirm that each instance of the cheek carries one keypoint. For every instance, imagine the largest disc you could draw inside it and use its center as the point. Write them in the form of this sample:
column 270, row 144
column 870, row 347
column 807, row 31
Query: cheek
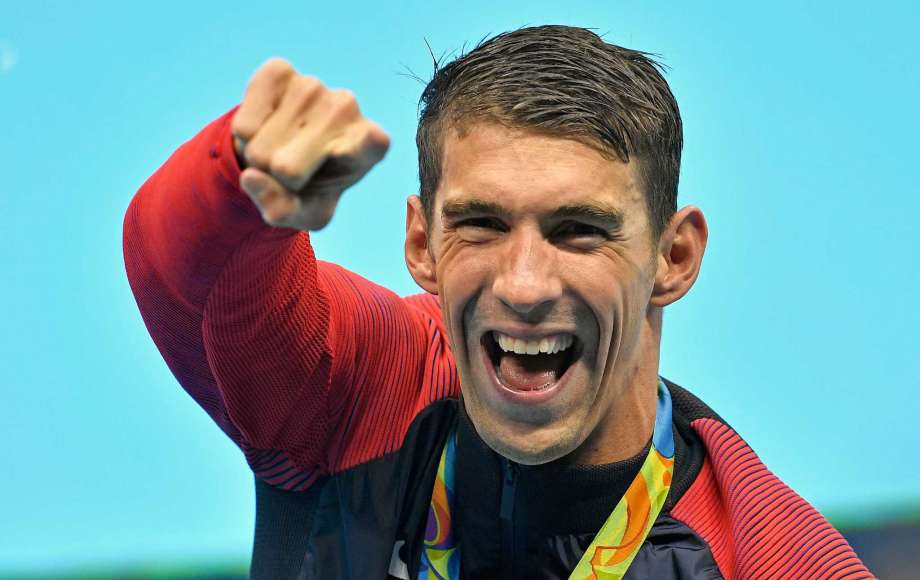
column 462, row 274
column 462, row 268
column 633, row 293
column 599, row 283
column 616, row 291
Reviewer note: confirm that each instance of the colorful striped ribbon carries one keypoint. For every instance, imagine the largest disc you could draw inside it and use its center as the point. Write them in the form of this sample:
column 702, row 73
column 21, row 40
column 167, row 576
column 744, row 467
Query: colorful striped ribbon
column 615, row 545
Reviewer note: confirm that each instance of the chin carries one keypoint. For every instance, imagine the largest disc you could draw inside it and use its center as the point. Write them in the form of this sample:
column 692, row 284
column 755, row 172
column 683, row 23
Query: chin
column 536, row 446
column 533, row 456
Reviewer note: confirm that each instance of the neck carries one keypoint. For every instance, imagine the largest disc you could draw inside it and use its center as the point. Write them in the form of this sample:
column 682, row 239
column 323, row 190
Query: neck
column 626, row 429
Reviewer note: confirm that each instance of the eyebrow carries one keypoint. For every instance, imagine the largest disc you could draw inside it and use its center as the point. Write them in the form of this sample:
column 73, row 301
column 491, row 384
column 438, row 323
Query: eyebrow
column 603, row 215
column 454, row 210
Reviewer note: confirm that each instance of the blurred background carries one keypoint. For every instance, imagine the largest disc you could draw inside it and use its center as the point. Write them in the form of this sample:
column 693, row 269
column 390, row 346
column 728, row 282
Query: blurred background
column 801, row 142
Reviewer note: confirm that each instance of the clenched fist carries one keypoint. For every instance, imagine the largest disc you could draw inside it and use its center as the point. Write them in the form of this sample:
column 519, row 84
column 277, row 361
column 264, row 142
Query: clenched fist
column 301, row 145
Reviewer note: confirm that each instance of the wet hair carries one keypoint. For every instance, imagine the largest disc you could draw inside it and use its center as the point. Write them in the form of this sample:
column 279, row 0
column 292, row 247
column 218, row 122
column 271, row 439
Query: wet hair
column 561, row 81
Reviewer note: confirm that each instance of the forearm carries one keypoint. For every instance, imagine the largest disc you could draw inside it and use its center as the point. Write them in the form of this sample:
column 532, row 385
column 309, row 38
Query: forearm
column 285, row 353
column 211, row 280
column 190, row 217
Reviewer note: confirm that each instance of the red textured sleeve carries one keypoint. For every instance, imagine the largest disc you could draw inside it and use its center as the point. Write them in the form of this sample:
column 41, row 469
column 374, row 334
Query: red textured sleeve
column 306, row 366
column 754, row 524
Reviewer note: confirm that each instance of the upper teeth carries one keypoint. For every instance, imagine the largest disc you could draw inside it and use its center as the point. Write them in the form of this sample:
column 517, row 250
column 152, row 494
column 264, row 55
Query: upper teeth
column 548, row 344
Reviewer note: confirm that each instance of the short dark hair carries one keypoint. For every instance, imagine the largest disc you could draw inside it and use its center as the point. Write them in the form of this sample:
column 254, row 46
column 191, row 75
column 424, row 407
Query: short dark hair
column 563, row 81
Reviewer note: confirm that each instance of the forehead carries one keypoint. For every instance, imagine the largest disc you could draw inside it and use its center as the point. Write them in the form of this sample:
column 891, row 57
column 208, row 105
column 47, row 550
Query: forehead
column 526, row 170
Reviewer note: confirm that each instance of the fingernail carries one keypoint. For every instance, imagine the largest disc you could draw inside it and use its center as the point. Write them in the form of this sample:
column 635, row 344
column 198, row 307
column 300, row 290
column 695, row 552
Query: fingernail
column 253, row 189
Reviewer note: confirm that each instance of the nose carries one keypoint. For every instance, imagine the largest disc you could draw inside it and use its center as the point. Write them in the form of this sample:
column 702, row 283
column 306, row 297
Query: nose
column 527, row 281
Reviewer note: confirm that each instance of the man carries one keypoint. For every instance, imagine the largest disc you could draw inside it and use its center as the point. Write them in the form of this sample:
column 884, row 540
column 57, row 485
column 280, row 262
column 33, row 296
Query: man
column 548, row 240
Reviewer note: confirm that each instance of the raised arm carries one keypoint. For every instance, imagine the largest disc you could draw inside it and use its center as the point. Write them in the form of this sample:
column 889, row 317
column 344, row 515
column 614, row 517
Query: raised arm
column 285, row 353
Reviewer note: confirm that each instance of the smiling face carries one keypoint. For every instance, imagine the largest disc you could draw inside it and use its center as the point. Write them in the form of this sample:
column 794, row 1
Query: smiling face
column 541, row 252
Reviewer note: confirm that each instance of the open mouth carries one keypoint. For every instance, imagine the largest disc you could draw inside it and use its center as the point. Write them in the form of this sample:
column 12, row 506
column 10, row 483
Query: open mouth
column 530, row 364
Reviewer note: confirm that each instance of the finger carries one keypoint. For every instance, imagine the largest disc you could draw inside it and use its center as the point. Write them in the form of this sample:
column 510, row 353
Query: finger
column 360, row 145
column 277, row 205
column 365, row 141
column 239, row 146
column 254, row 182
column 317, row 209
column 351, row 156
column 311, row 117
column 295, row 113
column 262, row 96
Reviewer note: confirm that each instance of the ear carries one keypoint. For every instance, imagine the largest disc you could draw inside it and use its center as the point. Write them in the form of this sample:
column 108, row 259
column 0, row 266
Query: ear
column 418, row 255
column 680, row 255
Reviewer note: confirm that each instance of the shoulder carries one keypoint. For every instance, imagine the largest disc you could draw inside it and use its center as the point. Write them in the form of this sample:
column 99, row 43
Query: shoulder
column 754, row 524
column 428, row 306
column 689, row 406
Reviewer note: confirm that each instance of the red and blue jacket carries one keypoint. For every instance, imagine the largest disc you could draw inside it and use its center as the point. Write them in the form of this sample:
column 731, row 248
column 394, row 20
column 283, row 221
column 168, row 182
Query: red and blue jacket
column 341, row 395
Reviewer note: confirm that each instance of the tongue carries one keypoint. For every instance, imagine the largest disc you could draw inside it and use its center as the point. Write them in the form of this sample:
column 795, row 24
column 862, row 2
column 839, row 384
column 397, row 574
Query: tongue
column 529, row 372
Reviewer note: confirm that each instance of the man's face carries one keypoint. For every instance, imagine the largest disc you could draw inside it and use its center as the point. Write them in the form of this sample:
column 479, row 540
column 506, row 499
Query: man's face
column 544, row 265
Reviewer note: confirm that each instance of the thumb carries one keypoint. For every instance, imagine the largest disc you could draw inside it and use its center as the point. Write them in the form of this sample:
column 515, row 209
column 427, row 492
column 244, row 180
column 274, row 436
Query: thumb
column 254, row 182
column 273, row 200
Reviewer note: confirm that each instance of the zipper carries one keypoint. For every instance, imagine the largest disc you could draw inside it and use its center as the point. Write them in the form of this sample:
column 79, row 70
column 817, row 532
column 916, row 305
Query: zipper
column 506, row 513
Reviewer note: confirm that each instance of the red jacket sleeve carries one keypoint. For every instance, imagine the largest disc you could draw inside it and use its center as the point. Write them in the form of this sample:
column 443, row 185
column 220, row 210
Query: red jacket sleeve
column 309, row 368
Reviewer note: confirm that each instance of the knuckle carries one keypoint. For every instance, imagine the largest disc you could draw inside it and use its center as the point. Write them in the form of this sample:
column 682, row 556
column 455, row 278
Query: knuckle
column 344, row 105
column 256, row 155
column 284, row 167
column 376, row 139
column 302, row 89
column 243, row 126
column 273, row 74
column 276, row 68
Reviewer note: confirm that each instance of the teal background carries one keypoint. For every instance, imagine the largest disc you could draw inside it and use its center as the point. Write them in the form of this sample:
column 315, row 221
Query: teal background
column 801, row 143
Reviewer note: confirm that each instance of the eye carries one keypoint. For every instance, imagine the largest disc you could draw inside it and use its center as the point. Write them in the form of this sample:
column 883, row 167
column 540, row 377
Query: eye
column 581, row 234
column 479, row 229
column 578, row 229
column 480, row 222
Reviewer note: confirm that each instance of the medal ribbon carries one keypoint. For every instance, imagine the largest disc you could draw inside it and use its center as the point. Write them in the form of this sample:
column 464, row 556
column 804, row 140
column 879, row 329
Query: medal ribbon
column 615, row 545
